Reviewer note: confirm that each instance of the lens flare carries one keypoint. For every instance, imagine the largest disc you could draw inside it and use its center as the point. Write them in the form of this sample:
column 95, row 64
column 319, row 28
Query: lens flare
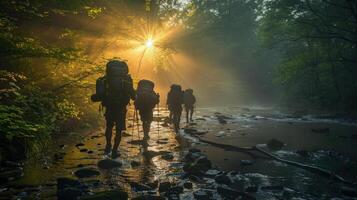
column 149, row 43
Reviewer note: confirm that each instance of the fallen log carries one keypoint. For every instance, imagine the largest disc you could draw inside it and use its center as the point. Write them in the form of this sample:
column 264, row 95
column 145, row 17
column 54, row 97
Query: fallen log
column 317, row 170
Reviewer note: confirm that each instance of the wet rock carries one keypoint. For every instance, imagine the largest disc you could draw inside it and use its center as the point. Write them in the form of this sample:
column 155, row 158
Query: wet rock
column 69, row 193
column 190, row 130
column 140, row 187
column 99, row 144
column 149, row 197
column 187, row 185
column 176, row 190
column 164, row 186
column 11, row 175
column 135, row 163
column 272, row 187
column 79, row 145
column 167, row 156
column 109, row 164
column 320, row 130
column 228, row 192
column 86, row 172
column 348, row 191
column 12, row 164
column 194, row 150
column 200, row 119
column 275, row 144
column 303, row 153
column 246, row 162
column 212, row 172
column 223, row 179
column 59, row 156
column 83, row 150
column 190, row 157
column 61, row 146
column 64, row 182
column 108, row 195
column 199, row 166
column 251, row 189
column 153, row 184
column 201, row 195
column 90, row 152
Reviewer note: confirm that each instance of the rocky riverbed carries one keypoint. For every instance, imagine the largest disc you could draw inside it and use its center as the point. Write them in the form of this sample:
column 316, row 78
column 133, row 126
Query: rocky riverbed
column 183, row 166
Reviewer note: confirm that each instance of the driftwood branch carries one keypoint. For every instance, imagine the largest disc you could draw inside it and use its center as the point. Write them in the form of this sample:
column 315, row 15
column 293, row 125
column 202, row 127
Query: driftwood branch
column 317, row 170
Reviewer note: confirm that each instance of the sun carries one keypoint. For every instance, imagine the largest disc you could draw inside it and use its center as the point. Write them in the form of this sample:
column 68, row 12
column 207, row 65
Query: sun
column 149, row 43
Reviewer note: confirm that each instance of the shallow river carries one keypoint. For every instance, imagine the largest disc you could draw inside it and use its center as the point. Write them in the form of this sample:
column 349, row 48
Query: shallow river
column 326, row 143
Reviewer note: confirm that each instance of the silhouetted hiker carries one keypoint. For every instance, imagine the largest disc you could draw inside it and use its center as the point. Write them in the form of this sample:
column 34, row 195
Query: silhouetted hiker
column 174, row 103
column 115, row 90
column 189, row 101
column 145, row 102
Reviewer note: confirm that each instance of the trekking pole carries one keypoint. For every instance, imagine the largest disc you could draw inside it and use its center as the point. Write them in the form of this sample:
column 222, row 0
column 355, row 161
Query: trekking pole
column 158, row 122
column 133, row 125
column 137, row 123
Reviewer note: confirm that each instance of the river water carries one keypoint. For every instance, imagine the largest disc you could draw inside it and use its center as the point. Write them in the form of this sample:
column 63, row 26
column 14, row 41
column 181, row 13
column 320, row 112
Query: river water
column 330, row 146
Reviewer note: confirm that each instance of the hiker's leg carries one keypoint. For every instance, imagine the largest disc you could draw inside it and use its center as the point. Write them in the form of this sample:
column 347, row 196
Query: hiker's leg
column 119, row 127
column 191, row 114
column 117, row 138
column 187, row 114
column 108, row 134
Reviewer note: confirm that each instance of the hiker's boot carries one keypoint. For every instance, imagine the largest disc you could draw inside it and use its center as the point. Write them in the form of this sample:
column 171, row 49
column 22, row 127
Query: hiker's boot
column 115, row 154
column 107, row 149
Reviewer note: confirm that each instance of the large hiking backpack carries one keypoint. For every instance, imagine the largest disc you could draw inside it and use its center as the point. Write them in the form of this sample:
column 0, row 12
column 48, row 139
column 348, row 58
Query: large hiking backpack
column 188, row 98
column 175, row 96
column 146, row 98
column 119, row 83
column 100, row 89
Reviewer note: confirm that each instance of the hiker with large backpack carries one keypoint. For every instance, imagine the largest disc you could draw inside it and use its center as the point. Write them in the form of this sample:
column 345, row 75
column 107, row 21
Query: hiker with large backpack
column 174, row 103
column 114, row 91
column 189, row 101
column 145, row 102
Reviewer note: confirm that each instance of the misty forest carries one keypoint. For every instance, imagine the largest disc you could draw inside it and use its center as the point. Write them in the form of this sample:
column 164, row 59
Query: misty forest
column 178, row 99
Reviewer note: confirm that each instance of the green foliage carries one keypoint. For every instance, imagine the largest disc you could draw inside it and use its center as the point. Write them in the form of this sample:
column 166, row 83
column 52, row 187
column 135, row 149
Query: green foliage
column 317, row 41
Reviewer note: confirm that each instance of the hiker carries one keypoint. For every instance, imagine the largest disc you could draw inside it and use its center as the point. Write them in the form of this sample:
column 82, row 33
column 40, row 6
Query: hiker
column 189, row 101
column 114, row 90
column 145, row 102
column 174, row 103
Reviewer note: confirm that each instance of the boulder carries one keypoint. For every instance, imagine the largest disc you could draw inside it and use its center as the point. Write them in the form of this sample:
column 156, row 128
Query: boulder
column 140, row 187
column 64, row 182
column 201, row 195
column 86, row 172
column 198, row 167
column 167, row 156
column 108, row 195
column 228, row 192
column 164, row 186
column 149, row 197
column 223, row 179
column 303, row 153
column 135, row 163
column 275, row 144
column 79, row 145
column 69, row 193
column 109, row 164
column 187, row 185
